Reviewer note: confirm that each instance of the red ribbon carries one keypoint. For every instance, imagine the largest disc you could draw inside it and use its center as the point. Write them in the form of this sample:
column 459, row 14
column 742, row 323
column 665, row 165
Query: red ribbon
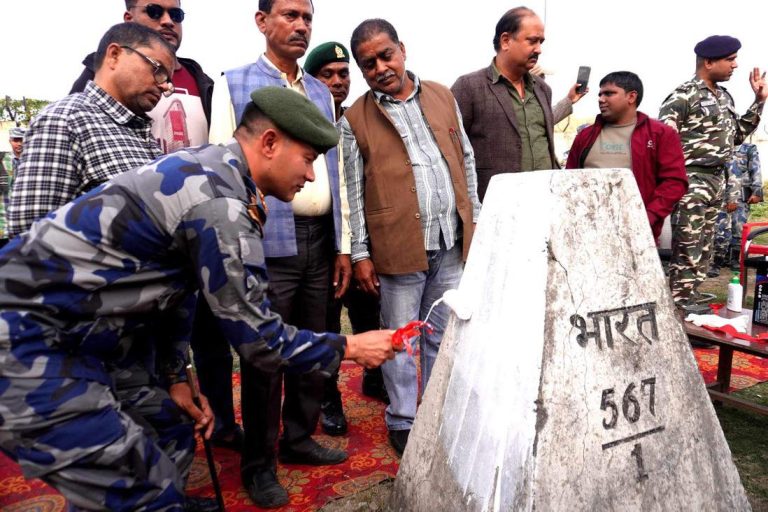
column 401, row 339
column 729, row 329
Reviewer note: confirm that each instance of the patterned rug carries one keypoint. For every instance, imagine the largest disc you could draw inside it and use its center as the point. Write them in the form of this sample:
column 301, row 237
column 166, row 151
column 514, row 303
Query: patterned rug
column 371, row 460
column 746, row 371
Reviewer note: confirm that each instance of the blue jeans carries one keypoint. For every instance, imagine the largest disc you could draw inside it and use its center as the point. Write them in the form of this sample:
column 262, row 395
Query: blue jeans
column 405, row 298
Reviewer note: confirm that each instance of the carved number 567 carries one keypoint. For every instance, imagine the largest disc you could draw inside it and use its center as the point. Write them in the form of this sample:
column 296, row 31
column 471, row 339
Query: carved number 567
column 630, row 406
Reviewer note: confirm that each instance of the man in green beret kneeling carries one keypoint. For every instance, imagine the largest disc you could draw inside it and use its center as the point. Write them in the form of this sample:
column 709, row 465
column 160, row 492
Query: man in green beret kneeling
column 132, row 252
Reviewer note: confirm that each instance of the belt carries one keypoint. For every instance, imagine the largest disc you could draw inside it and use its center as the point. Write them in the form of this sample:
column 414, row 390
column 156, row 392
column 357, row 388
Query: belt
column 313, row 220
column 714, row 171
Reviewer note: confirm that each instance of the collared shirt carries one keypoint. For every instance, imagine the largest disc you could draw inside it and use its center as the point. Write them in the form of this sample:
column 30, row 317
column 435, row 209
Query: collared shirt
column 434, row 188
column 530, row 123
column 315, row 198
column 707, row 122
column 72, row 146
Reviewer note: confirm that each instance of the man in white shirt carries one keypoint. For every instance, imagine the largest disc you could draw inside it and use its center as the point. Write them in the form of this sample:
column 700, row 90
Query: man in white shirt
column 306, row 244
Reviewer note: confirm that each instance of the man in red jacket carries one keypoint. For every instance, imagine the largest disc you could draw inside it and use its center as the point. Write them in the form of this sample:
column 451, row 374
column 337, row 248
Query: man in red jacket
column 622, row 137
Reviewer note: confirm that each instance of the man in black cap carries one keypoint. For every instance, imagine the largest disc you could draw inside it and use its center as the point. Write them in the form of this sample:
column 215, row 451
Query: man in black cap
column 703, row 114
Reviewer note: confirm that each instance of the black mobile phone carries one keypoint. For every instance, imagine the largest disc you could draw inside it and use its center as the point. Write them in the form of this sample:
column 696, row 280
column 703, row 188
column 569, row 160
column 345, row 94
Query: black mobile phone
column 582, row 78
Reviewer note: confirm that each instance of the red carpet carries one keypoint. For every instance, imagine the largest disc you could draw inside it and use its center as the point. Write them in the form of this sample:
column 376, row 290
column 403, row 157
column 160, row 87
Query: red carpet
column 747, row 370
column 371, row 459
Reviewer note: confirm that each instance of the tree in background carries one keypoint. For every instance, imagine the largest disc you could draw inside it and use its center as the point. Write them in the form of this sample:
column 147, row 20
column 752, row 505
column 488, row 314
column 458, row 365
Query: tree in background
column 20, row 111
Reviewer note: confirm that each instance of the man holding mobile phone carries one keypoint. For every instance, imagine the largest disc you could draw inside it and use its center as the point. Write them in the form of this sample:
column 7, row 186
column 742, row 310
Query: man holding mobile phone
column 495, row 99
column 564, row 107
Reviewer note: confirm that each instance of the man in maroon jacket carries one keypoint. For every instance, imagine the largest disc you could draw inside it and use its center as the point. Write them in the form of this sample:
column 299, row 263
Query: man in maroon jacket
column 622, row 137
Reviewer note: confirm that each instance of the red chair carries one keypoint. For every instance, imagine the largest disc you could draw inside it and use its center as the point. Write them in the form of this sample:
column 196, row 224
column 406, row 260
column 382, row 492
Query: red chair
column 752, row 255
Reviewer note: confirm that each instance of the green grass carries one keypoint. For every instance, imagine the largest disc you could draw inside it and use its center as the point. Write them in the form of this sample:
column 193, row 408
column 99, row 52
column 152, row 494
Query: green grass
column 758, row 212
column 747, row 436
column 746, row 432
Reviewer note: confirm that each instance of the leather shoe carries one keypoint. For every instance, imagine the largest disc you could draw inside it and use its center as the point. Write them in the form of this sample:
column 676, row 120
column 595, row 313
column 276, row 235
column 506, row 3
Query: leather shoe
column 198, row 504
column 398, row 439
column 332, row 420
column 264, row 489
column 315, row 455
column 232, row 439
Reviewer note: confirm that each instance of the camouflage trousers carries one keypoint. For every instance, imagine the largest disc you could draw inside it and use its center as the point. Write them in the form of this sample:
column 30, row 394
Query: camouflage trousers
column 116, row 443
column 728, row 231
column 693, row 229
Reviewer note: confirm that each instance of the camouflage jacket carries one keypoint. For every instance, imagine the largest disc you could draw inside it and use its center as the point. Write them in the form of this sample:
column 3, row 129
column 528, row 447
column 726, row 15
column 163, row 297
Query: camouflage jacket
column 708, row 124
column 77, row 286
column 745, row 167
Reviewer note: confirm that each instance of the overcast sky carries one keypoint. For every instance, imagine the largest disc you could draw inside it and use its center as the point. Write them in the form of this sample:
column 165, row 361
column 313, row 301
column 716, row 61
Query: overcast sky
column 45, row 40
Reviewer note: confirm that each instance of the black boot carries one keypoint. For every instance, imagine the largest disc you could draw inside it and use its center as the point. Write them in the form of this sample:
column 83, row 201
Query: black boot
column 735, row 258
column 332, row 413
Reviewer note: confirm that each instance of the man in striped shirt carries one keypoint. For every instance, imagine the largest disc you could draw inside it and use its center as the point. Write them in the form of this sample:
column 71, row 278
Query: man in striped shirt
column 413, row 200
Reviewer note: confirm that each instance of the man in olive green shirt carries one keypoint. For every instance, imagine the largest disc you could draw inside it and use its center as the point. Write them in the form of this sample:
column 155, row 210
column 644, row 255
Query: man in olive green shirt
column 507, row 111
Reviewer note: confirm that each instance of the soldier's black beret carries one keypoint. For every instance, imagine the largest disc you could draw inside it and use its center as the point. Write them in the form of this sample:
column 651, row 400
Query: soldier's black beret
column 717, row 47
column 323, row 54
column 297, row 116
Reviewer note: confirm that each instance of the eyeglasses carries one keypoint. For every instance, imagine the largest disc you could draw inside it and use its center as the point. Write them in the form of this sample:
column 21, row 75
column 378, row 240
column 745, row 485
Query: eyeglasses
column 156, row 12
column 160, row 74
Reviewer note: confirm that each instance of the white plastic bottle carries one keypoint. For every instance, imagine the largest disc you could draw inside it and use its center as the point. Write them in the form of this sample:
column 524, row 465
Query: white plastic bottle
column 735, row 293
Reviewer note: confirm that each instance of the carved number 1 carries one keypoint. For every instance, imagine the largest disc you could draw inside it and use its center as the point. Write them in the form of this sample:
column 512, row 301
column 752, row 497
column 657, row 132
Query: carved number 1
column 638, row 454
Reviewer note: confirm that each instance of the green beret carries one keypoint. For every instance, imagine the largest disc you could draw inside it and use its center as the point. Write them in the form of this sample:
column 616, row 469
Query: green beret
column 297, row 116
column 323, row 54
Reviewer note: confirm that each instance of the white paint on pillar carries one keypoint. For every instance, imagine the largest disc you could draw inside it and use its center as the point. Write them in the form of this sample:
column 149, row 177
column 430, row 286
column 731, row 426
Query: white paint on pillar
column 572, row 386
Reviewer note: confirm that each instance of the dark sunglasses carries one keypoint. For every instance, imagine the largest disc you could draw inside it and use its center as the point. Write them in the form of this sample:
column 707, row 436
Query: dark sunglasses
column 156, row 12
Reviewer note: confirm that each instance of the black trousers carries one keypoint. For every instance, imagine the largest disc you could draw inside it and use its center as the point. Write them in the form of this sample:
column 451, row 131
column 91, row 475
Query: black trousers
column 213, row 361
column 298, row 292
column 364, row 315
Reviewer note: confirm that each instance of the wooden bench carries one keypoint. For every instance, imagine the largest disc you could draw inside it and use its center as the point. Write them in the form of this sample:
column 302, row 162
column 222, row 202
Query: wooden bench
column 727, row 344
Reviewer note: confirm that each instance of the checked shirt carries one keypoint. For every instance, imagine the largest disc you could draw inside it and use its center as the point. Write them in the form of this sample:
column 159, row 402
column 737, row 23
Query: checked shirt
column 74, row 145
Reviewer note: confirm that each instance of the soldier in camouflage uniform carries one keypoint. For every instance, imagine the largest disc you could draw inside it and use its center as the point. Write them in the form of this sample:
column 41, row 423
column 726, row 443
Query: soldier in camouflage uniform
column 745, row 169
column 704, row 115
column 75, row 286
column 8, row 165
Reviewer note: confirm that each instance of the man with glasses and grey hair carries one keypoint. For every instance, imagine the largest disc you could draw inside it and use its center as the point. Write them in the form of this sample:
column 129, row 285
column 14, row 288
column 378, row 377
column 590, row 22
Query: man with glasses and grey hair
column 85, row 139
column 182, row 120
